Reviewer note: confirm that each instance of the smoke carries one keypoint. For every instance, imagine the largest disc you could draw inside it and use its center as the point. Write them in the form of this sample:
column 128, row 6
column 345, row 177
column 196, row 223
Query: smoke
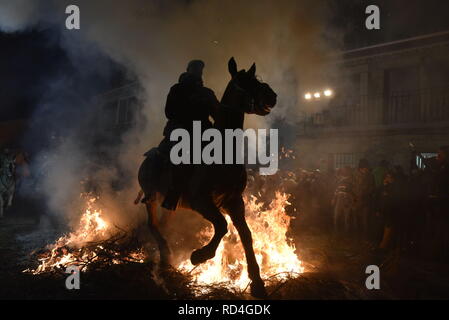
column 154, row 40
column 17, row 15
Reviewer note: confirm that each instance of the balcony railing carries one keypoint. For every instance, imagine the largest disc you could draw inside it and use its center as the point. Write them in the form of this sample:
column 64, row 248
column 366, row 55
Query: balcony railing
column 414, row 107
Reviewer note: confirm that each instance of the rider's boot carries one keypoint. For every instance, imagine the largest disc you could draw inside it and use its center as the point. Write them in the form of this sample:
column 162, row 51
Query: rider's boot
column 171, row 199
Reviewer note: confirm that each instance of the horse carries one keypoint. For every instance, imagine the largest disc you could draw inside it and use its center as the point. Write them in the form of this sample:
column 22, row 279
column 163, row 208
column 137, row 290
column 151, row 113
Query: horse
column 8, row 177
column 215, row 189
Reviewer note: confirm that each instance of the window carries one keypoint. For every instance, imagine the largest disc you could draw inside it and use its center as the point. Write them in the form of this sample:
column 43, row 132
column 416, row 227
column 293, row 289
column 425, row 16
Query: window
column 126, row 111
column 120, row 113
column 342, row 160
column 109, row 114
column 402, row 104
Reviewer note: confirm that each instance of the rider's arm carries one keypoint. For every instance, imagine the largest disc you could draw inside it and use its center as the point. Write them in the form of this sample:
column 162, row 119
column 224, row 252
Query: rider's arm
column 174, row 104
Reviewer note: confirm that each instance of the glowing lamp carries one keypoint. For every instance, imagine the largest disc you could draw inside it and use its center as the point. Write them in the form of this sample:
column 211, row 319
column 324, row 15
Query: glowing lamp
column 328, row 93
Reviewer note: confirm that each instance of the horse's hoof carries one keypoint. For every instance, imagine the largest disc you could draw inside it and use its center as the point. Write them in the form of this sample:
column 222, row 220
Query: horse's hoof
column 258, row 290
column 200, row 256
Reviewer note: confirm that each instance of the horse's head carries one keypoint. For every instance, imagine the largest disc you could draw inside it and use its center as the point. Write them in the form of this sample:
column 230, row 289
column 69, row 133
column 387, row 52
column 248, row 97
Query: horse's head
column 258, row 97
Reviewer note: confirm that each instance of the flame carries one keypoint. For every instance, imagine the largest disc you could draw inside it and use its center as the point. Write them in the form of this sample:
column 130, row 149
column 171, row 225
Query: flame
column 274, row 252
column 92, row 226
column 70, row 249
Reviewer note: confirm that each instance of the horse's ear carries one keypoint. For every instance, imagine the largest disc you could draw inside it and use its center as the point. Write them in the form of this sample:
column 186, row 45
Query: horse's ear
column 252, row 70
column 232, row 67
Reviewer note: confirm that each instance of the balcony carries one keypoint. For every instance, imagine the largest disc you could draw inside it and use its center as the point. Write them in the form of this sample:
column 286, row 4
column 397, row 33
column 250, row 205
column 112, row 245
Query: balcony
column 401, row 110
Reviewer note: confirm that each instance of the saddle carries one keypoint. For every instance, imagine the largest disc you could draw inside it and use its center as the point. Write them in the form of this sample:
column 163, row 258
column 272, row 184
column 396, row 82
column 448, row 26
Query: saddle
column 177, row 175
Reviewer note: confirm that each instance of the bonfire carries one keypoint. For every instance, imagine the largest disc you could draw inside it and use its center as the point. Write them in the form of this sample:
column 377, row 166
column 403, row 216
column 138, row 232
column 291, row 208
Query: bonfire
column 95, row 242
column 98, row 243
column 274, row 252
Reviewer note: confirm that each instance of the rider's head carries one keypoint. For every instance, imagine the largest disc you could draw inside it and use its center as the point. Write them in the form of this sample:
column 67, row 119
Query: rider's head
column 196, row 67
column 191, row 79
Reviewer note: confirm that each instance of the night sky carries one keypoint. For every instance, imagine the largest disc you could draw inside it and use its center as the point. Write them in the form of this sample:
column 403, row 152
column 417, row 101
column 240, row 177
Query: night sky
column 30, row 59
column 27, row 60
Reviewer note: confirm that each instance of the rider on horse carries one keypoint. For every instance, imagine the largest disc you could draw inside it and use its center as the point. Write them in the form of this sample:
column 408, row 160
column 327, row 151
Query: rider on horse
column 221, row 191
column 187, row 101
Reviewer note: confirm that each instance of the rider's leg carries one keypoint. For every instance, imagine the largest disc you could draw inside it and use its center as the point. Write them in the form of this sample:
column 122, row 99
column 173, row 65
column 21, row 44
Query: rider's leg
column 179, row 177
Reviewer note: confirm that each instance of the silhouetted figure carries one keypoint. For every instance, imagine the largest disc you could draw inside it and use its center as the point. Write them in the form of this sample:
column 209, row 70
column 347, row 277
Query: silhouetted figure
column 391, row 207
column 364, row 188
column 187, row 101
column 438, row 200
column 416, row 201
column 220, row 189
column 343, row 201
column 379, row 173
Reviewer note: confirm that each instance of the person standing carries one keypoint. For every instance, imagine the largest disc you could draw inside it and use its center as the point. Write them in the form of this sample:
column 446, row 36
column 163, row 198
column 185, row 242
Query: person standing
column 364, row 189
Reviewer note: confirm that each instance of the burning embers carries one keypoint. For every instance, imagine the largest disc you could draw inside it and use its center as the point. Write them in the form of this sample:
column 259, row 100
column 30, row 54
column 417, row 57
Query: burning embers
column 97, row 243
column 276, row 257
column 94, row 243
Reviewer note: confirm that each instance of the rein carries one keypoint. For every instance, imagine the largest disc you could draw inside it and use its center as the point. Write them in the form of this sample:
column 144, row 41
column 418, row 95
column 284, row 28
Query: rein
column 244, row 95
column 248, row 96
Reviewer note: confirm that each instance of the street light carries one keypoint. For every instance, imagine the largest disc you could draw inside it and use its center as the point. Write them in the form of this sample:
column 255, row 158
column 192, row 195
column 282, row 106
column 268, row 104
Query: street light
column 318, row 94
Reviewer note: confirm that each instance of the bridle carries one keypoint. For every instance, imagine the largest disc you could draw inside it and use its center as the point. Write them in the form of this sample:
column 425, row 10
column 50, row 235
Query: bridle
column 247, row 96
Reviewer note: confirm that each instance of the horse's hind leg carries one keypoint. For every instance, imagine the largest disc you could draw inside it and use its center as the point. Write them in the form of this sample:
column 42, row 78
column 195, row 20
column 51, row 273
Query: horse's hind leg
column 236, row 209
column 164, row 250
column 210, row 212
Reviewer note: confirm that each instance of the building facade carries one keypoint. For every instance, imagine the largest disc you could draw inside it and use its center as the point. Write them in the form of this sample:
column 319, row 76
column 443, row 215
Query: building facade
column 387, row 97
column 117, row 111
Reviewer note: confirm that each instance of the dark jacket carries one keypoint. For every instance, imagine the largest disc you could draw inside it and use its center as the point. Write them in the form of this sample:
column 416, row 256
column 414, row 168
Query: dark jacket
column 391, row 203
column 189, row 101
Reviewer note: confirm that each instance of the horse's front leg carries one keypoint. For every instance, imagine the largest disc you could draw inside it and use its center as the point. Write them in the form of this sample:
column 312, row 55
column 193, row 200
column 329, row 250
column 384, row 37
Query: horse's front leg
column 236, row 209
column 209, row 211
